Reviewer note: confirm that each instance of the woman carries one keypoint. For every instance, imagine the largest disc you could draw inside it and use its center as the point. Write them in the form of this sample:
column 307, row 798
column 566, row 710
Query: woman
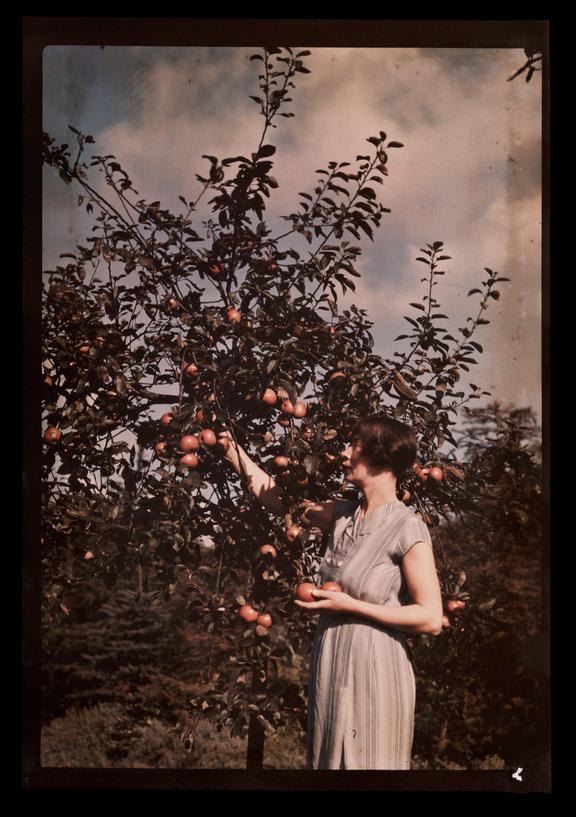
column 361, row 692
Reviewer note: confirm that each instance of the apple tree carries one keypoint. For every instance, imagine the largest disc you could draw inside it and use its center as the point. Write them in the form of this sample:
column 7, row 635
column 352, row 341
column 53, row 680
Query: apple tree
column 162, row 329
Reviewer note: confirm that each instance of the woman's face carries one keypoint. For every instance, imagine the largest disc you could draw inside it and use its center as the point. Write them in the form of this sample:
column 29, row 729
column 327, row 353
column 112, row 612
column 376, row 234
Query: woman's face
column 355, row 468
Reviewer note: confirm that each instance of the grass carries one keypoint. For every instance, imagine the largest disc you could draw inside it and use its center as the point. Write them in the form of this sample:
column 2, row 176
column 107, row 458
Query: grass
column 92, row 738
column 98, row 737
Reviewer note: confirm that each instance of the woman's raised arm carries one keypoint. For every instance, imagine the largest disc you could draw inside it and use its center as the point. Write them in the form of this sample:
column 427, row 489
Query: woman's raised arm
column 260, row 483
column 311, row 514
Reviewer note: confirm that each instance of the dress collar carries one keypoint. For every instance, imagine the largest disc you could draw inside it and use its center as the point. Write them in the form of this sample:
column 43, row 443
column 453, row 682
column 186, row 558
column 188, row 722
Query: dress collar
column 376, row 517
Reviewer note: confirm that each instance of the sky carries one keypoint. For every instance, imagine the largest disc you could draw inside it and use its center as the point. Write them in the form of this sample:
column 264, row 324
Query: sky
column 469, row 173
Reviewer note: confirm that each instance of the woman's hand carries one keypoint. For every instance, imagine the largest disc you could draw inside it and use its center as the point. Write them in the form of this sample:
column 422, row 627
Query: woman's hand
column 334, row 601
column 315, row 514
column 225, row 434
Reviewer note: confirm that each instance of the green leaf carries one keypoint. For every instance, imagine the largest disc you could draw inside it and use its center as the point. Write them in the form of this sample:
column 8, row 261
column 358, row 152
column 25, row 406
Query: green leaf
column 473, row 291
column 394, row 145
column 266, row 150
column 363, row 226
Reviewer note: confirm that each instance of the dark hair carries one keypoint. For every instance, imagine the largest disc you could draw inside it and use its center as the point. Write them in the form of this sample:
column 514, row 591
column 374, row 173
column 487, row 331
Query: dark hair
column 386, row 443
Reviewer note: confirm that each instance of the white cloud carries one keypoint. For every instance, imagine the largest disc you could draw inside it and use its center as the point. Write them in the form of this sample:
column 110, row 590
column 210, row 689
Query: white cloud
column 468, row 174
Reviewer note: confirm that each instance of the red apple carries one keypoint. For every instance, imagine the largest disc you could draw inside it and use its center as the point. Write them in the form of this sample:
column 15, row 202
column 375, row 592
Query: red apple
column 269, row 397
column 189, row 442
column 293, row 532
column 304, row 591
column 52, row 435
column 437, row 473
column 300, row 409
column 265, row 619
column 207, row 437
column 332, row 586
column 248, row 613
column 189, row 460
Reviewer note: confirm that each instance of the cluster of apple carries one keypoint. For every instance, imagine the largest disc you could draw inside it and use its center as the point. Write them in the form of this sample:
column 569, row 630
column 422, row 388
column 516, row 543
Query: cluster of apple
column 304, row 590
column 188, row 443
column 248, row 613
column 433, row 472
column 303, row 593
column 298, row 409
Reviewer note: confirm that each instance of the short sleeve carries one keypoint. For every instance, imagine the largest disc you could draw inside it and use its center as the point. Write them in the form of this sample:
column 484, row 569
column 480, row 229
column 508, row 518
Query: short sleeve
column 414, row 530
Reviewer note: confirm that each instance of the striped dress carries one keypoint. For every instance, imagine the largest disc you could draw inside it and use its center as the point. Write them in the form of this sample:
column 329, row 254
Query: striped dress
column 362, row 690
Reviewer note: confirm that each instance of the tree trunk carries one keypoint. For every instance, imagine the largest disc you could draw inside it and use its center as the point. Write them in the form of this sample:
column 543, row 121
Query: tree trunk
column 256, row 732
